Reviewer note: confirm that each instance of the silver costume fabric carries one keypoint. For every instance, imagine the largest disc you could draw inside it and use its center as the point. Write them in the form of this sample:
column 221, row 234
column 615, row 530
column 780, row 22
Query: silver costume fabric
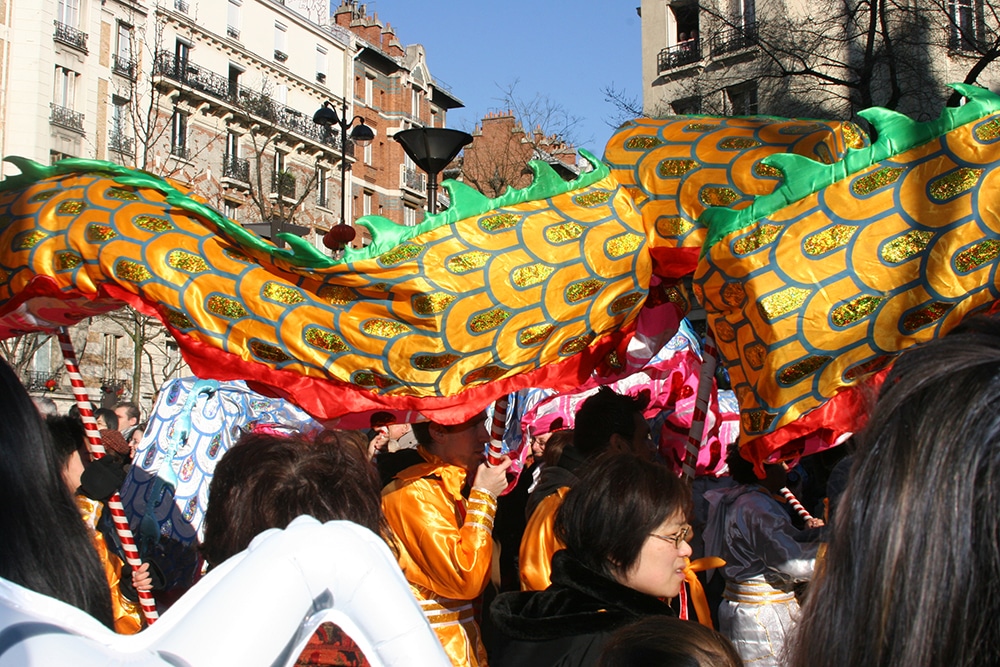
column 751, row 531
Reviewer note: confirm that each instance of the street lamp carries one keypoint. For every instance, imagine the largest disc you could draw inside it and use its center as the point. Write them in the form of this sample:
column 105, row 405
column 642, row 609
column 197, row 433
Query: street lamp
column 432, row 149
column 362, row 135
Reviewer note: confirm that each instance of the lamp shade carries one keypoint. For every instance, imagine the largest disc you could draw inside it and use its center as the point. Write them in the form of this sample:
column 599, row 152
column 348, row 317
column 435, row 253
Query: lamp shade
column 362, row 135
column 326, row 115
column 432, row 148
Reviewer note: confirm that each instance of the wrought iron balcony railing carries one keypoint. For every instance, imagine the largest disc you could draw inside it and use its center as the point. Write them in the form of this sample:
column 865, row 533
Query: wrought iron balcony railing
column 181, row 6
column 119, row 142
column 236, row 168
column 70, row 36
column 232, row 32
column 180, row 152
column 734, row 39
column 675, row 56
column 254, row 102
column 412, row 179
column 67, row 118
column 123, row 66
column 35, row 380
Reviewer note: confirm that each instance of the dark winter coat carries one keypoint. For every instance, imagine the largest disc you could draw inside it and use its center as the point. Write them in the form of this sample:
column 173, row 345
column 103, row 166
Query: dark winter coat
column 567, row 624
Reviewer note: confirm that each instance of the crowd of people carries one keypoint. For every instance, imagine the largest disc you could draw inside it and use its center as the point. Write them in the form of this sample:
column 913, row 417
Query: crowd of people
column 582, row 559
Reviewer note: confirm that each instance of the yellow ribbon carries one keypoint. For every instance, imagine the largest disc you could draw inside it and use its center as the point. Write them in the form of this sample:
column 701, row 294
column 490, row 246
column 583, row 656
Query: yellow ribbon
column 698, row 598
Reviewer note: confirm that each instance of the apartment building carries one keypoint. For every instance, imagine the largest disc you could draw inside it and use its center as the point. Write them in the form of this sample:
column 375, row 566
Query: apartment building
column 219, row 95
column 811, row 58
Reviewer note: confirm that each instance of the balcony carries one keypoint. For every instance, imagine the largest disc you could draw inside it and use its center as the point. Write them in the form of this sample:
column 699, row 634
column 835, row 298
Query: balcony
column 123, row 66
column 181, row 6
column 70, row 36
column 734, row 39
column 252, row 102
column 412, row 179
column 280, row 56
column 236, row 168
column 283, row 184
column 119, row 142
column 684, row 53
column 66, row 118
column 232, row 32
column 179, row 152
column 37, row 380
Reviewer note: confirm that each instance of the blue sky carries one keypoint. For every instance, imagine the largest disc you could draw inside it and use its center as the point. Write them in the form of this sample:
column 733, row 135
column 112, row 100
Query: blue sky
column 566, row 50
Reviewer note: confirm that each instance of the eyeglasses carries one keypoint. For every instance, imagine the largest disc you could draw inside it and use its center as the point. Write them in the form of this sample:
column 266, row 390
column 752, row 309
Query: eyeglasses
column 680, row 536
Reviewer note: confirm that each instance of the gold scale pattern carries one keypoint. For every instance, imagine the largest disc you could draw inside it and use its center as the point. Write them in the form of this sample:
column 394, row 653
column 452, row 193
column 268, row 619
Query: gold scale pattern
column 798, row 289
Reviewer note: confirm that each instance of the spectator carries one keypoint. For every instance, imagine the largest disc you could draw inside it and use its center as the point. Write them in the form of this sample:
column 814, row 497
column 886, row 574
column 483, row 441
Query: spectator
column 265, row 481
column 605, row 421
column 662, row 641
column 128, row 417
column 45, row 545
column 106, row 419
column 625, row 530
column 912, row 573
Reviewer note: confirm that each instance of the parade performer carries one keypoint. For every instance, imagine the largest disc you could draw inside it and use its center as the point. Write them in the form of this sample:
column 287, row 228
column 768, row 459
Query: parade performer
column 749, row 529
column 443, row 529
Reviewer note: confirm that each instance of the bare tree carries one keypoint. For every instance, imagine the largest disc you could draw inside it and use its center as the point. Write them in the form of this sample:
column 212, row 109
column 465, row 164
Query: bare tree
column 505, row 141
column 830, row 59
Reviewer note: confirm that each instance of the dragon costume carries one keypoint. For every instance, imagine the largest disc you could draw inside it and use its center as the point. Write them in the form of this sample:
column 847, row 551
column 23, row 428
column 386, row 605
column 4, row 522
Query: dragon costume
column 817, row 254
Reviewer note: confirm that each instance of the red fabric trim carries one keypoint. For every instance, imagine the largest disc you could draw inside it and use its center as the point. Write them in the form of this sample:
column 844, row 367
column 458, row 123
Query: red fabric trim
column 674, row 262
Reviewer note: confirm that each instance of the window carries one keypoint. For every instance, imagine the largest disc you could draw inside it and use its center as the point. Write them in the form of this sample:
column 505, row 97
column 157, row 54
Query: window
column 742, row 99
column 120, row 141
column 233, row 19
column 123, row 41
column 234, row 81
column 409, row 216
column 280, row 42
column 682, row 25
column 321, row 64
column 232, row 145
column 322, row 193
column 415, row 102
column 281, row 94
column 178, row 134
column 68, row 13
column 369, row 87
column 965, row 17
column 231, row 209
column 366, row 204
column 111, row 355
column 64, row 94
column 687, row 106
column 368, row 154
column 182, row 50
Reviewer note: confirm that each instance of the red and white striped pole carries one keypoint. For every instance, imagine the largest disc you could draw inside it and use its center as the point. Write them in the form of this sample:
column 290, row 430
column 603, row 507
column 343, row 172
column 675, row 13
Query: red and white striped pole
column 146, row 601
column 796, row 505
column 498, row 427
column 705, row 383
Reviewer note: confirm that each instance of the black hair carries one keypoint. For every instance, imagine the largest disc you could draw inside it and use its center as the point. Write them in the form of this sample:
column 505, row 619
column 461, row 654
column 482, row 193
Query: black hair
column 110, row 418
column 46, row 546
column 912, row 572
column 609, row 513
column 604, row 414
column 665, row 641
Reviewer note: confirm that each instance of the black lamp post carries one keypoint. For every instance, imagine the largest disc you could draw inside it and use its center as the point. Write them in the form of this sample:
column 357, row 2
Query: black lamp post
column 362, row 135
column 432, row 149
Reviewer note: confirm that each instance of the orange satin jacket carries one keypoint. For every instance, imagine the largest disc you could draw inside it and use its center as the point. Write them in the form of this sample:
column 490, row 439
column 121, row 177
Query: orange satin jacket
column 539, row 542
column 445, row 549
column 128, row 615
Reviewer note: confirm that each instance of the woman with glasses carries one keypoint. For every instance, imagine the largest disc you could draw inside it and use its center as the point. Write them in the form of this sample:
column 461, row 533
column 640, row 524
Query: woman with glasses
column 625, row 528
column 750, row 530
